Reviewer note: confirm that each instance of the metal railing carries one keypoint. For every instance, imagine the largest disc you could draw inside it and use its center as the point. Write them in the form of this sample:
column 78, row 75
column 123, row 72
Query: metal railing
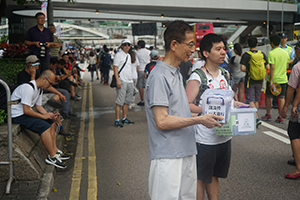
column 9, row 129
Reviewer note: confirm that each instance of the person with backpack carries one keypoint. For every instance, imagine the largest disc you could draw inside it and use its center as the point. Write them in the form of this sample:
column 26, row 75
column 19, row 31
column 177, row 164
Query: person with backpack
column 106, row 59
column 214, row 152
column 279, row 62
column 254, row 62
column 29, row 95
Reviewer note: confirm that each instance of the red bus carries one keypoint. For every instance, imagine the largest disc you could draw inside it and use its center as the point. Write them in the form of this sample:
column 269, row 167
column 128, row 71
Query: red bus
column 202, row 29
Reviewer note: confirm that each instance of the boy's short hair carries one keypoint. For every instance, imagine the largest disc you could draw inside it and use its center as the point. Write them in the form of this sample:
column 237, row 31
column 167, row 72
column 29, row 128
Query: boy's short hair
column 207, row 42
column 38, row 14
column 141, row 43
column 275, row 39
column 62, row 62
column 252, row 42
column 53, row 60
column 176, row 30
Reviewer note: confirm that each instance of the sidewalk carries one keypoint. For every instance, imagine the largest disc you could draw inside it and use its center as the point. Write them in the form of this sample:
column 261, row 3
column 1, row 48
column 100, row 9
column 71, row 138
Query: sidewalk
column 38, row 189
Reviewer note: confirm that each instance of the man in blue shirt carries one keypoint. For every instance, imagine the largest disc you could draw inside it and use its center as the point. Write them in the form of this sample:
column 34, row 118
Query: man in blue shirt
column 39, row 39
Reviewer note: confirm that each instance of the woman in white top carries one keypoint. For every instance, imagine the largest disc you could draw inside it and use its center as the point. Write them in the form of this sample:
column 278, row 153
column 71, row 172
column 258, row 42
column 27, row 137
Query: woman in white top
column 92, row 64
column 134, row 69
column 238, row 75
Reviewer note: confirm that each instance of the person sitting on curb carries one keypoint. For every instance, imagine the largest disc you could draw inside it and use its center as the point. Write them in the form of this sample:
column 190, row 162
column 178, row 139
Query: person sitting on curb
column 29, row 95
column 51, row 99
column 31, row 73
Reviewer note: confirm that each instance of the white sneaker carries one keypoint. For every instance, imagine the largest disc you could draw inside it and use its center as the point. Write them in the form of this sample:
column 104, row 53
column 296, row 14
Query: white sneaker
column 56, row 161
column 62, row 156
column 136, row 91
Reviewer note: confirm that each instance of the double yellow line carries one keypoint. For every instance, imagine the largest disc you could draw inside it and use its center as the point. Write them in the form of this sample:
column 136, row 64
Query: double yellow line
column 92, row 171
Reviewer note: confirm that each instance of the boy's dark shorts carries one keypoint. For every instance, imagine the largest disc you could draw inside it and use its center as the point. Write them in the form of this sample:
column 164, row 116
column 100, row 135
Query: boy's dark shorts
column 213, row 160
column 281, row 95
column 33, row 124
column 293, row 130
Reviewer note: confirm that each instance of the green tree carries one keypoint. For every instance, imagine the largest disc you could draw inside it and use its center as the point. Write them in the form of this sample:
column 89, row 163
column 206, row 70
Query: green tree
column 3, row 38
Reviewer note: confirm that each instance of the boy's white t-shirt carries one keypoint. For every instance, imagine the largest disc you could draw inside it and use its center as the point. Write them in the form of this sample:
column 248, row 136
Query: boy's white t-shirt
column 27, row 95
column 205, row 135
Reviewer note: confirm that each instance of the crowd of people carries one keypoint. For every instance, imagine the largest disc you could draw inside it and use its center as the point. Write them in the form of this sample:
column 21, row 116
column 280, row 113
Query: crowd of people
column 187, row 157
column 45, row 88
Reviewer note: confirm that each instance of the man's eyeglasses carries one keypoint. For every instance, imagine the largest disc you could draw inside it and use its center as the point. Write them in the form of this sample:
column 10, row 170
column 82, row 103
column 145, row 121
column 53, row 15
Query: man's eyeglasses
column 49, row 82
column 126, row 44
column 191, row 44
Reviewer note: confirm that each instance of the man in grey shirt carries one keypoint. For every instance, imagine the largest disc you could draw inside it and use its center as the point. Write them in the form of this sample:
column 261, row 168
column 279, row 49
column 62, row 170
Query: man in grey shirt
column 172, row 142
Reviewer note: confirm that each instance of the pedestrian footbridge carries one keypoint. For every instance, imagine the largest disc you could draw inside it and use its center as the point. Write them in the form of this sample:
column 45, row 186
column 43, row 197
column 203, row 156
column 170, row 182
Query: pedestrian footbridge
column 250, row 11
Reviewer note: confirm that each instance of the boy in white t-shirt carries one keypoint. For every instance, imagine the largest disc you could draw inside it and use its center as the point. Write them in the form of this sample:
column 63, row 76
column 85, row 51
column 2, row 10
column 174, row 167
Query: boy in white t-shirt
column 214, row 152
column 29, row 95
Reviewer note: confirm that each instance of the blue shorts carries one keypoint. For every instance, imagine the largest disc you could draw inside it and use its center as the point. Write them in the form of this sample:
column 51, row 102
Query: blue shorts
column 33, row 124
column 238, row 80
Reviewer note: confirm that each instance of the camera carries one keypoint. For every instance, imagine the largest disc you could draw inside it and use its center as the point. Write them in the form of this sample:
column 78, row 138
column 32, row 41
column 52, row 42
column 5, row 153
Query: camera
column 42, row 49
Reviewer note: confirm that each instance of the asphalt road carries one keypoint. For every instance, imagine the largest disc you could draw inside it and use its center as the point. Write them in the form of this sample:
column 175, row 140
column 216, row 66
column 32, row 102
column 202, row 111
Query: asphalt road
column 257, row 168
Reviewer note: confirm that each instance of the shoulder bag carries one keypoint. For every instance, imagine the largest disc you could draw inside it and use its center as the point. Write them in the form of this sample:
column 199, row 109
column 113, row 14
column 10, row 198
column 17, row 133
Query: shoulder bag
column 113, row 83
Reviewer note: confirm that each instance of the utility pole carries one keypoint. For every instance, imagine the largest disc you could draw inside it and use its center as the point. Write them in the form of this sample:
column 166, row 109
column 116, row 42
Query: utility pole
column 268, row 20
column 282, row 16
column 49, row 13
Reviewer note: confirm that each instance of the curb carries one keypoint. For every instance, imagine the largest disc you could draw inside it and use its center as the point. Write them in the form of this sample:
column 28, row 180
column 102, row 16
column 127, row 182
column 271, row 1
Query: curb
column 47, row 181
column 49, row 175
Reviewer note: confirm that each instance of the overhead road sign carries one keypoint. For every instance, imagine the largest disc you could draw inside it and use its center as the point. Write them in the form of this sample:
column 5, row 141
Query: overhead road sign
column 144, row 29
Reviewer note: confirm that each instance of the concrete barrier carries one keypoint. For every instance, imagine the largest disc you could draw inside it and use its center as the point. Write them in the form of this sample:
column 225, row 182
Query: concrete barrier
column 28, row 151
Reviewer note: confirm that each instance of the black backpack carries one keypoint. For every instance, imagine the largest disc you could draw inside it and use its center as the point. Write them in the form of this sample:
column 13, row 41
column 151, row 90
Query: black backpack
column 3, row 98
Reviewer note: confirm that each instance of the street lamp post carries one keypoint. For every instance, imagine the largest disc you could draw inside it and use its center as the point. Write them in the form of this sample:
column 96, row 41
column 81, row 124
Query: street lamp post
column 282, row 16
column 268, row 34
column 50, row 12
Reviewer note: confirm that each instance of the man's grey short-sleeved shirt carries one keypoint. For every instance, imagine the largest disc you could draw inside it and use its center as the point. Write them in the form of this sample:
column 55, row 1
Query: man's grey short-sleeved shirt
column 164, row 88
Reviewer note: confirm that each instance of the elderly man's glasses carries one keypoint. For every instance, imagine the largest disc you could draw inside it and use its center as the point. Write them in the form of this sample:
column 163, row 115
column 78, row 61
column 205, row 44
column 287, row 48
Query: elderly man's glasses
column 191, row 44
column 49, row 82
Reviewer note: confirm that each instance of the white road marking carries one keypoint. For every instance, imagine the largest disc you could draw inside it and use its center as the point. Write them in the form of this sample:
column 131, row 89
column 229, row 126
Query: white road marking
column 276, row 136
column 274, row 128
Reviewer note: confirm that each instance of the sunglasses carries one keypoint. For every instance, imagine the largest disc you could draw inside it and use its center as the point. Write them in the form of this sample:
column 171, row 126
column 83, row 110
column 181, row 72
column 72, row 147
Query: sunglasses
column 34, row 64
column 49, row 82
column 126, row 44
